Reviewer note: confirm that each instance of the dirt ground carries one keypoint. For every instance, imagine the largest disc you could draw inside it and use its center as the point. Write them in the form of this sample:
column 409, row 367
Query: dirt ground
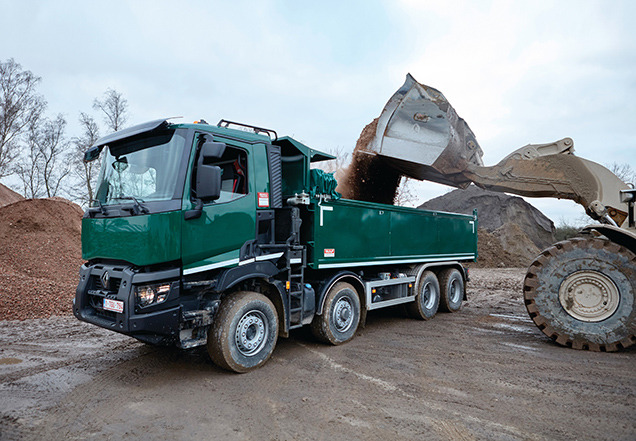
column 485, row 373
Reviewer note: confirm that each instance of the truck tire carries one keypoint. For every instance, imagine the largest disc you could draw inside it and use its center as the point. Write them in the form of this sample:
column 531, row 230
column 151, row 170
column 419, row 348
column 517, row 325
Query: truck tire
column 340, row 315
column 452, row 288
column 244, row 332
column 580, row 293
column 427, row 298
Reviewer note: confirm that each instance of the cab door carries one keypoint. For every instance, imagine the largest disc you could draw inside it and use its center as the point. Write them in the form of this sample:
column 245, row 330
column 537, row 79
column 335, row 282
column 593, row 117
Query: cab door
column 214, row 239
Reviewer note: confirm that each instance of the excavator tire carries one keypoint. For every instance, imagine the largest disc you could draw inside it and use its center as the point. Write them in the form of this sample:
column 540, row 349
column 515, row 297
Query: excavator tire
column 581, row 294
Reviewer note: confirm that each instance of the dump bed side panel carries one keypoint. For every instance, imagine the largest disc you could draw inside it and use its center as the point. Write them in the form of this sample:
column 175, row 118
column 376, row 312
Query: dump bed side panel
column 349, row 233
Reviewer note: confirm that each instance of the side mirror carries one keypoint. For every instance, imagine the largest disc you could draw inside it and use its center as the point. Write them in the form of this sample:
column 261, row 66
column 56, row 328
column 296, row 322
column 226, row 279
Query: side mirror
column 208, row 184
column 212, row 150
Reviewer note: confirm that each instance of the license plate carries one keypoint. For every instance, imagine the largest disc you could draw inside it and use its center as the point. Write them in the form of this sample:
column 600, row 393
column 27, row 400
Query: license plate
column 113, row 305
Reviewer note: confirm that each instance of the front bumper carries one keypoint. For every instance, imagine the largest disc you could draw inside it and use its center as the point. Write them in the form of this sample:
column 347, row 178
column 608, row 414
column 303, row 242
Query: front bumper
column 158, row 324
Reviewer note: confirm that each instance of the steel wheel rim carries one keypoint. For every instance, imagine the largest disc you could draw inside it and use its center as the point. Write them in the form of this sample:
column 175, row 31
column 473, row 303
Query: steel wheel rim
column 251, row 333
column 589, row 296
column 454, row 291
column 342, row 315
column 428, row 295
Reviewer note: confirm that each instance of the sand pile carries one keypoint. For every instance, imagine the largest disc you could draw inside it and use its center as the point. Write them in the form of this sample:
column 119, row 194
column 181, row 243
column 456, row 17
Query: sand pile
column 369, row 178
column 40, row 257
column 517, row 244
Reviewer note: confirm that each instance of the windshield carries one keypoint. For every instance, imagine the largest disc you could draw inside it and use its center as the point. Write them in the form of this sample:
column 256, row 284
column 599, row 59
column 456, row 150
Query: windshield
column 144, row 169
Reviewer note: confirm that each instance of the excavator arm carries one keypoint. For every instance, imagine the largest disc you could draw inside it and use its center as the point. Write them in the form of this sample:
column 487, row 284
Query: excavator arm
column 420, row 134
column 552, row 170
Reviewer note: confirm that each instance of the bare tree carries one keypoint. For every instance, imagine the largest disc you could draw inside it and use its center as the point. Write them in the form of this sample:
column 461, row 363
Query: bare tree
column 624, row 171
column 27, row 167
column 115, row 109
column 54, row 148
column 20, row 107
column 44, row 168
column 84, row 172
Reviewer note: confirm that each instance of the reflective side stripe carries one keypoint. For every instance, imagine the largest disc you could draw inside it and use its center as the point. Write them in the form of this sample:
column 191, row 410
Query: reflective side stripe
column 199, row 269
column 269, row 256
column 230, row 262
column 389, row 262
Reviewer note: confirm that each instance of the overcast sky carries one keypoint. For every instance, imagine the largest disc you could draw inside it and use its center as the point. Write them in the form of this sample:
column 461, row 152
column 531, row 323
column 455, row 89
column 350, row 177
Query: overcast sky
column 518, row 72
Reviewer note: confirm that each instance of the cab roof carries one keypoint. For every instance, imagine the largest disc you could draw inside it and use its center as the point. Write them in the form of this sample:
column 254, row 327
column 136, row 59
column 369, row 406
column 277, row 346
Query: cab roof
column 286, row 143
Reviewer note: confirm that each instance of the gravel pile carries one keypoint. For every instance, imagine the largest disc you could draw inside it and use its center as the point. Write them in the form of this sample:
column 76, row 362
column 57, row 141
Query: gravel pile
column 40, row 257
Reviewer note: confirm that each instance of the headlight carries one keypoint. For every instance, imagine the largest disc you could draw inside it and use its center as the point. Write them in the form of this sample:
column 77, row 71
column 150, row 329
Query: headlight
column 152, row 294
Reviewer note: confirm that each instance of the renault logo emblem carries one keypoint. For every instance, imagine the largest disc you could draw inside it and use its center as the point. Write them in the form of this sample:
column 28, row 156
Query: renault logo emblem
column 105, row 279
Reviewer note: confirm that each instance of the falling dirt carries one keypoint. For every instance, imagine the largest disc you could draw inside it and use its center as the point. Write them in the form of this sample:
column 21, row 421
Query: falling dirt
column 483, row 373
column 368, row 178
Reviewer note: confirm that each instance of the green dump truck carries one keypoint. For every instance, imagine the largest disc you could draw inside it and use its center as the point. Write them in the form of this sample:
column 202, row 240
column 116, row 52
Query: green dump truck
column 224, row 235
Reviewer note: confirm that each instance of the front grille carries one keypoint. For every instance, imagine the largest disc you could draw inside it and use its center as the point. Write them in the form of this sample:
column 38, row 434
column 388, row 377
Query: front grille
column 113, row 284
column 97, row 293
column 96, row 301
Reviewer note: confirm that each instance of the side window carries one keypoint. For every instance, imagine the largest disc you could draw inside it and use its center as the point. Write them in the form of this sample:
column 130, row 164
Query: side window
column 233, row 174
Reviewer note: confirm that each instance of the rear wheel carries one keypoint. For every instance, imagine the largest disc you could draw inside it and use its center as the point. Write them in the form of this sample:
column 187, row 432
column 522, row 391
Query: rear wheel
column 451, row 284
column 244, row 332
column 340, row 315
column 427, row 297
column 581, row 292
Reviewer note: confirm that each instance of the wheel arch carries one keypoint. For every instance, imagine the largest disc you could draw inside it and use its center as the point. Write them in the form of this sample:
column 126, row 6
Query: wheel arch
column 274, row 290
column 342, row 276
column 615, row 234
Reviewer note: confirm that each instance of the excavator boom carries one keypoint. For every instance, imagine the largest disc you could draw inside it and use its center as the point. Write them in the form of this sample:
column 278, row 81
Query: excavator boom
column 420, row 134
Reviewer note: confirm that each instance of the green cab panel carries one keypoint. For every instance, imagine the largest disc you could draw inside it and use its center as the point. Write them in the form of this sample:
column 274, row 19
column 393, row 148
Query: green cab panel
column 140, row 240
column 221, row 229
column 224, row 225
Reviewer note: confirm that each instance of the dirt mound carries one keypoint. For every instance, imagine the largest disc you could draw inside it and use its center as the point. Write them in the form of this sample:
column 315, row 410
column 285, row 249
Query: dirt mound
column 369, row 178
column 517, row 244
column 506, row 247
column 8, row 196
column 497, row 209
column 491, row 252
column 40, row 256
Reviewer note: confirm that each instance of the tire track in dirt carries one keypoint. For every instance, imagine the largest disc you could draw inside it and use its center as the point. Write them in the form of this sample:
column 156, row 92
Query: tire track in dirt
column 83, row 359
column 65, row 417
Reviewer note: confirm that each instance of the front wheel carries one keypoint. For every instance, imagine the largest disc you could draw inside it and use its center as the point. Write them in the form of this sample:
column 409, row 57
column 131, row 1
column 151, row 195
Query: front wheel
column 581, row 293
column 340, row 317
column 244, row 332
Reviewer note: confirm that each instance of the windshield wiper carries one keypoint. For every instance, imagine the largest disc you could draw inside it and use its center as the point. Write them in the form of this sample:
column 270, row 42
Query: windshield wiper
column 136, row 208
